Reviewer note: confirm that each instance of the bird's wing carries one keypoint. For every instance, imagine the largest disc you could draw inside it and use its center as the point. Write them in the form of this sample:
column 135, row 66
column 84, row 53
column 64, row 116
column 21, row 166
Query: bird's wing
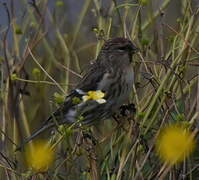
column 91, row 110
column 92, row 78
column 89, row 82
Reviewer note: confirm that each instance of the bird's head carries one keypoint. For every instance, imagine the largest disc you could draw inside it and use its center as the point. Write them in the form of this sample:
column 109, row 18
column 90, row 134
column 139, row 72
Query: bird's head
column 119, row 47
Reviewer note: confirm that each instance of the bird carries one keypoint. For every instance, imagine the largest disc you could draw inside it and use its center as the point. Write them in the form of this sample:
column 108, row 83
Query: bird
column 110, row 77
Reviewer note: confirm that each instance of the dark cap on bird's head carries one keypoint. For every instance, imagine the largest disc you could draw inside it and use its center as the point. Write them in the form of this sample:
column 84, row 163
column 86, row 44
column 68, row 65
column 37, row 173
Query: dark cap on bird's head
column 121, row 44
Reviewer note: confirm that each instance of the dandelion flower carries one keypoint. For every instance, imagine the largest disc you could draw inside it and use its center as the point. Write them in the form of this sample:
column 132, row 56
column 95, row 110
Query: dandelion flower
column 175, row 143
column 40, row 156
column 95, row 95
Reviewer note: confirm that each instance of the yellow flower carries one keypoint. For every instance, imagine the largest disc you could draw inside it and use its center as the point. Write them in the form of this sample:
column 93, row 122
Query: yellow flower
column 175, row 143
column 40, row 156
column 95, row 95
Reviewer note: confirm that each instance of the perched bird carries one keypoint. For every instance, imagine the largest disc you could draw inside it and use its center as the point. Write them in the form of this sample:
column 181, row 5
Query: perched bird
column 103, row 89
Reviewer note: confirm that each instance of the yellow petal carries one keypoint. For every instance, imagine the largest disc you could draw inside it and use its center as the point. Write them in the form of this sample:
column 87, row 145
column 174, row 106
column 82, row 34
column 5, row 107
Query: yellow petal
column 175, row 143
column 85, row 98
column 95, row 95
column 99, row 94
column 40, row 157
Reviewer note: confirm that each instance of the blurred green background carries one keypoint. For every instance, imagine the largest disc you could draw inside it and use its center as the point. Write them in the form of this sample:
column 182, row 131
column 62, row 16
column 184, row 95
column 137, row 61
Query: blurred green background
column 44, row 42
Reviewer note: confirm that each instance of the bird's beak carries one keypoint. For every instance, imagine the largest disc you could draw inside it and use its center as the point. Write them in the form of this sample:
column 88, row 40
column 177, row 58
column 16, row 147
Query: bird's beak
column 135, row 50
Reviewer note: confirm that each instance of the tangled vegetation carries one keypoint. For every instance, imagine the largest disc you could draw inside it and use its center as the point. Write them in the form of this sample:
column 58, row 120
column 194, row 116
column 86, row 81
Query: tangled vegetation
column 46, row 45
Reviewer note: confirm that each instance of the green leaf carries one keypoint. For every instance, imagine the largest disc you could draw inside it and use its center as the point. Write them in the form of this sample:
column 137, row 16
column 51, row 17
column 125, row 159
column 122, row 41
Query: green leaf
column 145, row 42
column 143, row 2
column 18, row 30
column 59, row 99
column 141, row 115
column 13, row 77
column 59, row 3
column 76, row 100
column 36, row 73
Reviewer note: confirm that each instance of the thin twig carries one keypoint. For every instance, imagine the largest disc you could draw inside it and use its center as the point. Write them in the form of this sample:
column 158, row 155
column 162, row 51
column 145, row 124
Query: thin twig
column 48, row 75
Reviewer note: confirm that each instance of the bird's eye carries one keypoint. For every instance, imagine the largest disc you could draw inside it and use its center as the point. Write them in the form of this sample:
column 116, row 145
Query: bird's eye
column 122, row 48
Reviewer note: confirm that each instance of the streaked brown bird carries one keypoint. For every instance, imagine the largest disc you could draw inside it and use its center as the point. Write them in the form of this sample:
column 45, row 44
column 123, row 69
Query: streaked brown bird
column 110, row 75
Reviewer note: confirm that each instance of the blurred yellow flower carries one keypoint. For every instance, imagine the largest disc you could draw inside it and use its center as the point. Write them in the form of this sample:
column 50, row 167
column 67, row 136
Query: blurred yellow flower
column 40, row 156
column 95, row 95
column 175, row 143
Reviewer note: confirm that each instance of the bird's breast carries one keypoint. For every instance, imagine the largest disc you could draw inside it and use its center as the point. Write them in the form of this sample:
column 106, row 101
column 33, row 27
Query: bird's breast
column 117, row 86
column 127, row 80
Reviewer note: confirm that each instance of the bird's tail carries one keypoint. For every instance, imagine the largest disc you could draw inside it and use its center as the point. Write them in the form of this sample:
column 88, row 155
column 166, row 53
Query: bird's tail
column 35, row 134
